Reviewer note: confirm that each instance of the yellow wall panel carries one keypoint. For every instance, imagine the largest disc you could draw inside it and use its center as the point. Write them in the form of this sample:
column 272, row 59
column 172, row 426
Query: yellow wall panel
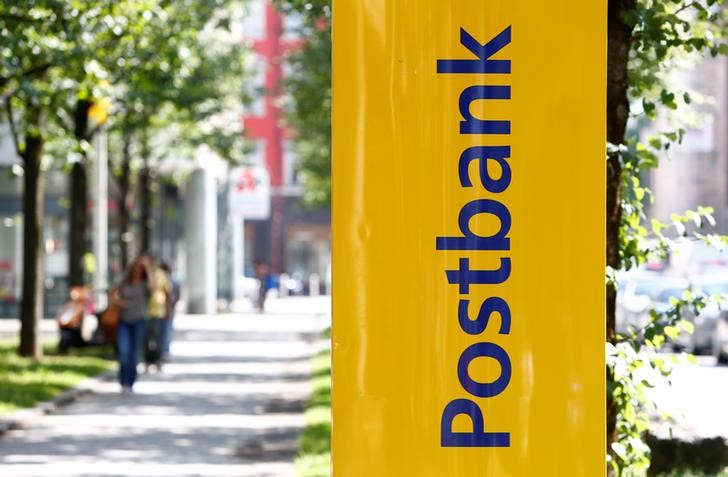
column 465, row 187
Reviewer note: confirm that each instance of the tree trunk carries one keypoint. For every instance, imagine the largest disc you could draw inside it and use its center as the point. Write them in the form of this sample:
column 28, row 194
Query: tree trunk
column 78, row 222
column 619, row 36
column 145, row 205
column 124, row 212
column 145, row 196
column 78, row 214
column 31, row 308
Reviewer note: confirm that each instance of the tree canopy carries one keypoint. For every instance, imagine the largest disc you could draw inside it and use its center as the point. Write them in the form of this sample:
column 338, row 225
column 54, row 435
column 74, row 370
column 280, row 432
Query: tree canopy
column 154, row 68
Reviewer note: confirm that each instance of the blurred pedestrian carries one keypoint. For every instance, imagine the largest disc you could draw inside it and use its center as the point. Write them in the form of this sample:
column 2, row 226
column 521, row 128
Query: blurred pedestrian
column 70, row 319
column 172, row 304
column 158, row 314
column 262, row 274
column 132, row 298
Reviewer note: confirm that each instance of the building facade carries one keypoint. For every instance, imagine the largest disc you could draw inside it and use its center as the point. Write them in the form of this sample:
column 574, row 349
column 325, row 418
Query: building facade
column 294, row 239
column 696, row 172
column 55, row 233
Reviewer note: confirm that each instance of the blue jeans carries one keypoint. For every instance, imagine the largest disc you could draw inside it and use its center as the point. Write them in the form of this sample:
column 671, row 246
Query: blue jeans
column 168, row 331
column 130, row 338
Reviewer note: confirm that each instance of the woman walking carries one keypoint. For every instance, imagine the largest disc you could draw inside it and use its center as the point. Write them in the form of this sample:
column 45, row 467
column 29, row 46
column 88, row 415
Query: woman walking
column 132, row 298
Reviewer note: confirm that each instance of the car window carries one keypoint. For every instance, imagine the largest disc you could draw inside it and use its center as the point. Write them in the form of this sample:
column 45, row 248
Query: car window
column 714, row 288
column 649, row 289
column 666, row 294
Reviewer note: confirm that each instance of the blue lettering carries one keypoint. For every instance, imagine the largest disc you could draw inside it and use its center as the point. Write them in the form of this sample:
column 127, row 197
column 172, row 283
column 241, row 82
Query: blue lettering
column 487, row 308
column 473, row 125
column 483, row 52
column 477, row 438
column 471, row 241
column 464, row 276
column 484, row 154
column 484, row 350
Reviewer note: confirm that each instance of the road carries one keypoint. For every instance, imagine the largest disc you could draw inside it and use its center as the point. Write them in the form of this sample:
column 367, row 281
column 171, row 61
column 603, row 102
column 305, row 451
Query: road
column 229, row 404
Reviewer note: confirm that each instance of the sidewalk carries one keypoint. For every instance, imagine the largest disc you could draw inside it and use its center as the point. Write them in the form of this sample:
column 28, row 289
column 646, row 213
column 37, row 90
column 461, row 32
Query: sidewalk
column 229, row 404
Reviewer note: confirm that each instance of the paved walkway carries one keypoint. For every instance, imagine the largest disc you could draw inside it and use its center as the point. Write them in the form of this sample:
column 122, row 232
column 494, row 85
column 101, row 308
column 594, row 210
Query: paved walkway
column 229, row 404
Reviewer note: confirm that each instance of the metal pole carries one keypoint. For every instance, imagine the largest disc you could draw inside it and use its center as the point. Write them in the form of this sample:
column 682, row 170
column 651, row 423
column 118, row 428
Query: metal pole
column 238, row 245
column 100, row 220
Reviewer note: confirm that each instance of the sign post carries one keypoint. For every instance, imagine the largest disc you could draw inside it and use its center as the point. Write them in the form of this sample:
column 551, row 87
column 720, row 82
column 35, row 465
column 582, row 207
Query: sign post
column 469, row 175
column 249, row 199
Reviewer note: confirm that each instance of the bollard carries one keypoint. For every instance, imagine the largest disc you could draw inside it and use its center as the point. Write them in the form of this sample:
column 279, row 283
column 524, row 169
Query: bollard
column 314, row 285
column 283, row 285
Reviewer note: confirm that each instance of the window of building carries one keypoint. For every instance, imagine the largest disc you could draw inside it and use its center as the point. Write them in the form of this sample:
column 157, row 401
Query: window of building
column 253, row 24
column 254, row 87
column 290, row 159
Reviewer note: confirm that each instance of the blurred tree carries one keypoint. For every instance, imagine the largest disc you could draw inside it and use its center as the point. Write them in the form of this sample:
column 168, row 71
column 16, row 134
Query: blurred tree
column 43, row 60
column 309, row 108
column 180, row 86
column 646, row 40
column 59, row 61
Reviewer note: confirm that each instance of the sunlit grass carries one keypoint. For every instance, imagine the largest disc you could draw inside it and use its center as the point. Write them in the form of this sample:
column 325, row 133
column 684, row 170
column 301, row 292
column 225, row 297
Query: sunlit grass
column 314, row 459
column 24, row 381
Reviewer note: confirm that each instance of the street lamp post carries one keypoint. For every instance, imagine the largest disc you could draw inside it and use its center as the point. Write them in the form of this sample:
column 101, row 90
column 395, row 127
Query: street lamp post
column 100, row 218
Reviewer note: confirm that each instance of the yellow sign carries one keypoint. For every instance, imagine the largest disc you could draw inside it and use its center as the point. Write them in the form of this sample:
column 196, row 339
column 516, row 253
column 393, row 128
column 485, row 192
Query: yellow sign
column 469, row 238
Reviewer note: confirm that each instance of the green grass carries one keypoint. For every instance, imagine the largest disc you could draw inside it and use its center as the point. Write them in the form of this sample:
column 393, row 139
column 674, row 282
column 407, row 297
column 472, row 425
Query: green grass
column 24, row 382
column 314, row 458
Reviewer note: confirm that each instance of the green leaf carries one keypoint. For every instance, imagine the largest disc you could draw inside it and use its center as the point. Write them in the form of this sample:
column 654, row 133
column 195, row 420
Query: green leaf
column 668, row 99
column 619, row 449
column 672, row 332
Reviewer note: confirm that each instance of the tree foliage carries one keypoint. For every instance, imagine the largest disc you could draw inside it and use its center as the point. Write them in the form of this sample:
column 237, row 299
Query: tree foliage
column 46, row 62
column 155, row 68
column 659, row 37
column 180, row 86
column 309, row 105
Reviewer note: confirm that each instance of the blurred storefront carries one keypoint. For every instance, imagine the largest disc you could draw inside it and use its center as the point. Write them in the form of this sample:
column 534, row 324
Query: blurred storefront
column 55, row 239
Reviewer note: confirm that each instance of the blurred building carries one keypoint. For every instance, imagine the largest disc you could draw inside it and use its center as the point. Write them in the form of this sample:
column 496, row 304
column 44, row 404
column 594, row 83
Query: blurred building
column 166, row 233
column 55, row 233
column 696, row 172
column 293, row 239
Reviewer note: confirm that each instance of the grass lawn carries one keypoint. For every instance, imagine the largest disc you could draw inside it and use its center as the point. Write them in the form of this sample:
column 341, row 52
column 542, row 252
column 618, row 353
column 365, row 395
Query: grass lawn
column 24, row 382
column 314, row 447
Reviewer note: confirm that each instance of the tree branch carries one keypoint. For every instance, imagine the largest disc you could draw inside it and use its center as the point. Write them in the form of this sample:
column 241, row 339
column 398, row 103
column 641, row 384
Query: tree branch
column 38, row 70
column 11, row 121
column 19, row 18
column 685, row 7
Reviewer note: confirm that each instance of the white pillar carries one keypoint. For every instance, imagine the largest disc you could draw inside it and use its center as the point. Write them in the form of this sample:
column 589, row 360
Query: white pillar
column 201, row 238
column 314, row 284
column 238, row 246
column 283, row 285
column 100, row 219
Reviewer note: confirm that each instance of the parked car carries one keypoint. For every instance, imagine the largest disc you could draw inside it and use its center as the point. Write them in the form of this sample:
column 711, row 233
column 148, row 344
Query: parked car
column 720, row 338
column 702, row 339
column 713, row 328
column 639, row 294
